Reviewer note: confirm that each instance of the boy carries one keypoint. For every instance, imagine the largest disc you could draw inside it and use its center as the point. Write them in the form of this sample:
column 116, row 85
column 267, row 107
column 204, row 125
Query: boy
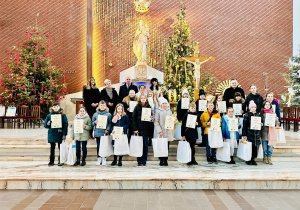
column 56, row 135
column 202, row 96
column 205, row 120
column 191, row 134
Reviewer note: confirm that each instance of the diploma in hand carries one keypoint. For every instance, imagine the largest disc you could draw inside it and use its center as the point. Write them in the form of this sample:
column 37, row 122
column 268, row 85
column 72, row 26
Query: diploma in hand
column 169, row 123
column 237, row 109
column 146, row 113
column 191, row 121
column 185, row 102
column 222, row 106
column 102, row 122
column 11, row 112
column 233, row 124
column 215, row 124
column 2, row 111
column 118, row 133
column 255, row 123
column 202, row 105
column 132, row 105
column 56, row 121
column 270, row 120
column 78, row 126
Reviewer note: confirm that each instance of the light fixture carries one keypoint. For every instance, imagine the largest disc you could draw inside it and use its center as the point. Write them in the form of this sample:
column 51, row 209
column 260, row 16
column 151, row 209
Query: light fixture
column 142, row 5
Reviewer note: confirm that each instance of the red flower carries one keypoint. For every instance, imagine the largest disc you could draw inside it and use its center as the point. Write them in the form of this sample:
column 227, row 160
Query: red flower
column 31, row 89
column 41, row 102
column 41, row 111
column 47, row 103
column 43, row 72
column 42, row 64
column 1, row 82
column 29, row 101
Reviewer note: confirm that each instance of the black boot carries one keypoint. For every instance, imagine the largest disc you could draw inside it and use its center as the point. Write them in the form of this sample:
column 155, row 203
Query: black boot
column 209, row 159
column 194, row 162
column 120, row 161
column 214, row 159
column 232, row 160
column 77, row 162
column 83, row 162
column 59, row 163
column 161, row 163
column 51, row 163
column 253, row 162
column 114, row 161
column 166, row 162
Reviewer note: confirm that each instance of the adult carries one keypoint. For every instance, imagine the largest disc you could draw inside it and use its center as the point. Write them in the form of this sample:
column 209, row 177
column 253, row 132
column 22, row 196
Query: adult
column 110, row 96
column 91, row 96
column 142, row 90
column 154, row 87
column 256, row 97
column 270, row 98
column 124, row 89
column 229, row 92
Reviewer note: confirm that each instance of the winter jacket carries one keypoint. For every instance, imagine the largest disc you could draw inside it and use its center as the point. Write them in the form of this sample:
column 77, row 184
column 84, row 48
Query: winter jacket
column 277, row 109
column 229, row 94
column 104, row 96
column 205, row 118
column 141, row 126
column 123, row 122
column 126, row 102
column 159, row 123
column 124, row 91
column 241, row 101
column 225, row 128
column 86, row 134
column 98, row 132
column 91, row 95
column 55, row 134
column 258, row 100
column 197, row 108
column 180, row 112
column 252, row 135
column 265, row 129
column 190, row 133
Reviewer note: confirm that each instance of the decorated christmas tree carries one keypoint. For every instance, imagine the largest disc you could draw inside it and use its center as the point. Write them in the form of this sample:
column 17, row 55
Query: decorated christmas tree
column 178, row 74
column 28, row 77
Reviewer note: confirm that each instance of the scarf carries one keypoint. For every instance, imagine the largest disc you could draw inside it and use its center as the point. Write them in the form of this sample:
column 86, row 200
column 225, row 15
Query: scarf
column 81, row 117
column 116, row 118
column 268, row 111
column 109, row 93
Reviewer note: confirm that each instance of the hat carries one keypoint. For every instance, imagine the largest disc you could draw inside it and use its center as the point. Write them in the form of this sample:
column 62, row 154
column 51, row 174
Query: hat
column 162, row 100
column 237, row 94
column 251, row 104
column 185, row 91
column 202, row 92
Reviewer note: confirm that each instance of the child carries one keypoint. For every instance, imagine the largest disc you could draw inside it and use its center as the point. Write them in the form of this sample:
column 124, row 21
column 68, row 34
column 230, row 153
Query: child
column 154, row 107
column 230, row 136
column 142, row 90
column 270, row 98
column 122, row 120
column 141, row 127
column 98, row 132
column 238, row 100
column 191, row 134
column 218, row 97
column 56, row 135
column 268, row 134
column 159, row 123
column 82, row 138
column 251, row 135
column 181, row 112
column 205, row 120
column 202, row 96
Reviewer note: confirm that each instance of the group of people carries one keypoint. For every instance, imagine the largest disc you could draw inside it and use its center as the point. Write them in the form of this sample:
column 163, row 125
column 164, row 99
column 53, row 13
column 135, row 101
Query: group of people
column 118, row 111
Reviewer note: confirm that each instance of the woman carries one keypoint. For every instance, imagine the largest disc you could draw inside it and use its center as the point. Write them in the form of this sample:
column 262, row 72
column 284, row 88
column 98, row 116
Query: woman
column 256, row 97
column 109, row 95
column 155, row 88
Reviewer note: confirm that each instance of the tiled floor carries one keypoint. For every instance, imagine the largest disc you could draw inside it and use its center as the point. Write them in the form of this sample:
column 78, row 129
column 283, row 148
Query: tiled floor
column 149, row 199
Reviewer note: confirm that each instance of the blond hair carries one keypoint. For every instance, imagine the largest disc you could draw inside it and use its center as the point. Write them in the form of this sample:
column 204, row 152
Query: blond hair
column 106, row 81
column 192, row 104
column 102, row 102
column 116, row 109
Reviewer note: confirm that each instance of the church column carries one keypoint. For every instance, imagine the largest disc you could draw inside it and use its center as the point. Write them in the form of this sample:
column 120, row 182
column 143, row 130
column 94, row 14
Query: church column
column 89, row 39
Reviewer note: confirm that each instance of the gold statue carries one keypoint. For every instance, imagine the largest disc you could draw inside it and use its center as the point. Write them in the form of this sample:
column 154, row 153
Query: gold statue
column 140, row 44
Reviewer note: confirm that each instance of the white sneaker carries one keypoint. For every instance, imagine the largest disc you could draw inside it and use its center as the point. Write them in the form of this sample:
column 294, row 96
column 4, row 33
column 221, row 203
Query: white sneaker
column 103, row 161
column 98, row 161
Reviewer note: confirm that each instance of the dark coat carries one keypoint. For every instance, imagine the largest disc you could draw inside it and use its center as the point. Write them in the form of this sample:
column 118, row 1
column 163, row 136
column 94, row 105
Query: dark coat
column 258, row 100
column 197, row 108
column 104, row 96
column 90, row 96
column 123, row 122
column 277, row 110
column 229, row 94
column 138, row 124
column 242, row 101
column 180, row 112
column 124, row 91
column 55, row 134
column 252, row 135
column 190, row 133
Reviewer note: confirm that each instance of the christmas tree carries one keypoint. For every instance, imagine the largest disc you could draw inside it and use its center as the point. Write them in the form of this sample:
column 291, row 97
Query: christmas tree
column 29, row 78
column 179, row 75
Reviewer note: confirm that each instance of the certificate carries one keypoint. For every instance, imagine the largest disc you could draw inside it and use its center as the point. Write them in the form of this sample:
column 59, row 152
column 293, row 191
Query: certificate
column 191, row 121
column 56, row 121
column 78, row 126
column 222, row 106
column 185, row 102
column 215, row 124
column 102, row 122
column 202, row 105
column 255, row 123
column 270, row 120
column 233, row 124
column 2, row 110
column 146, row 113
column 132, row 105
column 150, row 101
column 169, row 123
column 237, row 109
column 118, row 133
column 274, row 108
column 11, row 112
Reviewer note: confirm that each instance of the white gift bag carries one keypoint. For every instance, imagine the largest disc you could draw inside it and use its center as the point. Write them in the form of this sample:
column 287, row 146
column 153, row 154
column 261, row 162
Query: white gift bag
column 72, row 154
column 223, row 153
column 160, row 147
column 184, row 152
column 280, row 137
column 244, row 150
column 260, row 153
column 63, row 152
column 215, row 138
column 136, row 146
column 233, row 143
column 199, row 140
column 106, row 148
column 121, row 147
column 177, row 134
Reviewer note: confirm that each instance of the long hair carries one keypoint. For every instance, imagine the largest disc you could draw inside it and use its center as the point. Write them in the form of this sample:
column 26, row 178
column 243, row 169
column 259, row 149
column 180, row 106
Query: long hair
column 116, row 110
column 263, row 108
column 89, row 85
column 151, row 82
column 146, row 103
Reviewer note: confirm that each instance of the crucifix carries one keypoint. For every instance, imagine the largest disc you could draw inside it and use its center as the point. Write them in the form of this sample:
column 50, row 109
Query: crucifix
column 197, row 62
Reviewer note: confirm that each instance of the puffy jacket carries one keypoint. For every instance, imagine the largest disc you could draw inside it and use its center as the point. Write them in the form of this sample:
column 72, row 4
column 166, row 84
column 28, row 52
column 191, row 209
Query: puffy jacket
column 205, row 118
column 159, row 123
column 55, row 134
column 138, row 124
column 197, row 108
column 190, row 133
column 180, row 112
column 252, row 135
column 98, row 132
column 242, row 101
column 258, row 100
column 88, row 126
column 225, row 128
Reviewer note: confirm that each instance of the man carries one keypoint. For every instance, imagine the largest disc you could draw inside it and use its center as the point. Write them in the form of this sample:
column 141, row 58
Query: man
column 229, row 92
column 124, row 89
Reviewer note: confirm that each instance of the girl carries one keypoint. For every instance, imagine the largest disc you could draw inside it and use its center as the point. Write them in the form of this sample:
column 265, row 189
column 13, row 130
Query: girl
column 159, row 123
column 142, row 91
column 101, row 110
column 81, row 138
column 181, row 112
column 238, row 100
column 251, row 135
column 126, row 102
column 255, row 97
column 218, row 97
column 141, row 127
column 120, row 119
column 270, row 98
column 268, row 134
column 202, row 96
column 154, row 107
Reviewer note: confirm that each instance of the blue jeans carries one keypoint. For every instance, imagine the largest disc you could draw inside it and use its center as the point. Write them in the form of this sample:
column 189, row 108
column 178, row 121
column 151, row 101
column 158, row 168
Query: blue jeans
column 209, row 151
column 143, row 159
column 78, row 149
column 98, row 145
column 268, row 149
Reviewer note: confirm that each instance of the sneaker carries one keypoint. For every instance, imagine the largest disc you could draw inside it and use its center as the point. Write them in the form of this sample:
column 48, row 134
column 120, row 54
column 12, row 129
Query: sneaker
column 209, row 159
column 248, row 162
column 60, row 164
column 51, row 163
column 103, row 161
column 140, row 164
column 114, row 163
column 98, row 161
column 144, row 164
